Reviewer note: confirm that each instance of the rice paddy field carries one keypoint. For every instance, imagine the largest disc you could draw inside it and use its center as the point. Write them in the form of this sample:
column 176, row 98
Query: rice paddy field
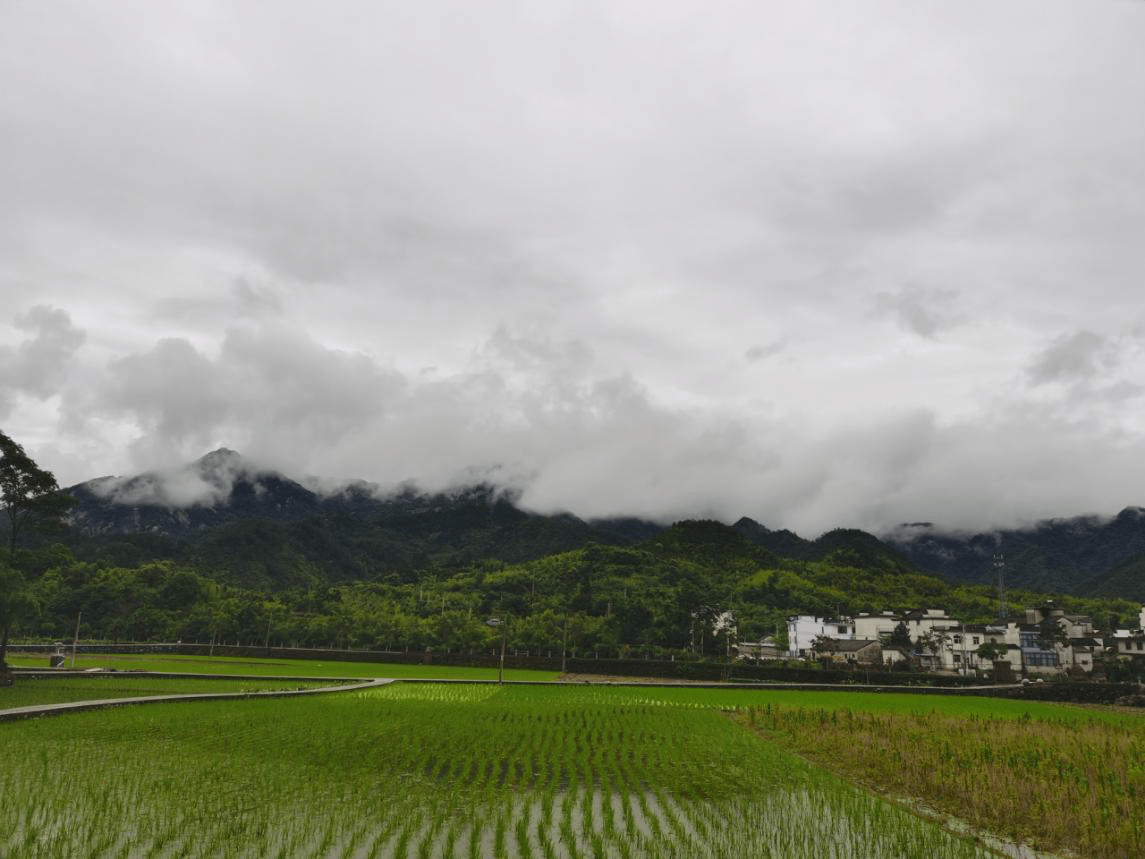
column 467, row 770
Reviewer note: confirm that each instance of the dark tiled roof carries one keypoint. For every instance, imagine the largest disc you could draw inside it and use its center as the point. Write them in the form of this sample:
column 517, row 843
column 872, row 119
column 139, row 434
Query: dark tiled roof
column 850, row 645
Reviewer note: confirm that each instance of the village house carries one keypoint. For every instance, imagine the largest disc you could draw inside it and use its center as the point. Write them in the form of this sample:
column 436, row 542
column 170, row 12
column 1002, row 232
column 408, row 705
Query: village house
column 803, row 630
column 1060, row 642
column 1130, row 643
column 990, row 645
column 850, row 651
column 876, row 627
column 922, row 621
column 758, row 651
column 1027, row 647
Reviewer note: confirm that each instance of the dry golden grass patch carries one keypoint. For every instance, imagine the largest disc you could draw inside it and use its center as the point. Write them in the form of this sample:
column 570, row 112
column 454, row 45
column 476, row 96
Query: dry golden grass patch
column 1076, row 785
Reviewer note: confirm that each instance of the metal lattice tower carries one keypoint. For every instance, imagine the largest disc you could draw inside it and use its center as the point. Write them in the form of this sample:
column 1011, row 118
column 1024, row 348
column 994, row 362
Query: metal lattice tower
column 1000, row 566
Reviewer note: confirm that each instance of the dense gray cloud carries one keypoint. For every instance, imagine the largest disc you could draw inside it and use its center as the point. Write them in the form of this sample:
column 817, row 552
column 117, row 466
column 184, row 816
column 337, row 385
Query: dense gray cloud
column 924, row 312
column 38, row 365
column 820, row 264
column 1077, row 357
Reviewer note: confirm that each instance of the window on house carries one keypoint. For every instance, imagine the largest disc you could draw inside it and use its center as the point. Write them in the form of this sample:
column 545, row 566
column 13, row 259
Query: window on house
column 975, row 639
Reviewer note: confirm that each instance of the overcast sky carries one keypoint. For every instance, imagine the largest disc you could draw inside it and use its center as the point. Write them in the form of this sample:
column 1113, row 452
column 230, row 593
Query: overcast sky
column 818, row 263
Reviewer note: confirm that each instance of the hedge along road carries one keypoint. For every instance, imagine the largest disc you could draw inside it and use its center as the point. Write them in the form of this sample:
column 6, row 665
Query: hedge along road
column 35, row 710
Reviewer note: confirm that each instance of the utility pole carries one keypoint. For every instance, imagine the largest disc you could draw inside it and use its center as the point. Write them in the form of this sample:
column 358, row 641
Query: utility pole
column 1000, row 566
column 565, row 643
column 76, row 639
column 501, row 665
column 498, row 622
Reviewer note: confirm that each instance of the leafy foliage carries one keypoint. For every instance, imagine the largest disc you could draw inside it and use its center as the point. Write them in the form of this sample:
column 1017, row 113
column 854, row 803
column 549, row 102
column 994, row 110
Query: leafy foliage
column 31, row 500
column 660, row 597
column 276, row 563
column 30, row 494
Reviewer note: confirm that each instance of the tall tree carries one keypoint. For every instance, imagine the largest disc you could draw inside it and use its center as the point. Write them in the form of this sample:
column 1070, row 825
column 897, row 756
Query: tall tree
column 31, row 499
column 14, row 601
column 30, row 494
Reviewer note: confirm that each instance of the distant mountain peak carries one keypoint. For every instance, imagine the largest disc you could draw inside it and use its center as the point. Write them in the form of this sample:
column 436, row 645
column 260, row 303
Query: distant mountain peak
column 221, row 467
column 223, row 456
column 210, row 481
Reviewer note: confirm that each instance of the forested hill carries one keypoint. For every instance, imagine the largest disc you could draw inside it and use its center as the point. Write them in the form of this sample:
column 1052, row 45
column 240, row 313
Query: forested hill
column 223, row 550
column 259, row 528
column 1085, row 555
column 663, row 595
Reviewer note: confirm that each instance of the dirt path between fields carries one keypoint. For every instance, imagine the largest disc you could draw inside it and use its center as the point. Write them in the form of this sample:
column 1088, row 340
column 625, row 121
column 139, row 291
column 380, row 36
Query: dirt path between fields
column 35, row 710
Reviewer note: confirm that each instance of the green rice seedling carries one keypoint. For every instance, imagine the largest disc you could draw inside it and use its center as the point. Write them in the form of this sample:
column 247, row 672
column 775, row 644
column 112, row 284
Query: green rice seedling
column 568, row 837
column 558, row 772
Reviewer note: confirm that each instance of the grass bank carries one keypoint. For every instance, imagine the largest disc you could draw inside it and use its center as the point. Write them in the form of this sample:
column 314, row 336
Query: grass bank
column 270, row 667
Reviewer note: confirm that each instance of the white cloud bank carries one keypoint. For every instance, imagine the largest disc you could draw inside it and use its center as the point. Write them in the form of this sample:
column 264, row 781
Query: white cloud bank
column 817, row 264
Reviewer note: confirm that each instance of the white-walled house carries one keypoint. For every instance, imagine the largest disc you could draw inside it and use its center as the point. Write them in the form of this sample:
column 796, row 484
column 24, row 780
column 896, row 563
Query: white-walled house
column 803, row 629
column 1130, row 643
column 922, row 621
column 961, row 645
column 875, row 627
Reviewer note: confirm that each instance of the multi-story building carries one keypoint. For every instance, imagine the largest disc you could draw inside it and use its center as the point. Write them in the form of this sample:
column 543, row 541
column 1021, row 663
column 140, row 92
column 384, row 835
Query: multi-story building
column 1130, row 643
column 804, row 629
column 876, row 627
column 921, row 621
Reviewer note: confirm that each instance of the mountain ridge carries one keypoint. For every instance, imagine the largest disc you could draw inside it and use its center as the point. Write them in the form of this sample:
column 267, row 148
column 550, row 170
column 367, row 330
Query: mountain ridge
column 214, row 500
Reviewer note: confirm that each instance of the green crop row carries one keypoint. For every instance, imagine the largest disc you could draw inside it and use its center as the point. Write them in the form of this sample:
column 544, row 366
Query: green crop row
column 437, row 770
